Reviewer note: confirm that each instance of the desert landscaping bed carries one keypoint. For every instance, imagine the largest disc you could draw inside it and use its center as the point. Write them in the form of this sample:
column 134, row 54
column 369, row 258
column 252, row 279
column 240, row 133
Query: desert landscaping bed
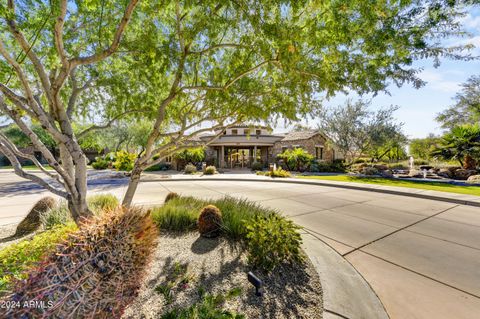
column 187, row 266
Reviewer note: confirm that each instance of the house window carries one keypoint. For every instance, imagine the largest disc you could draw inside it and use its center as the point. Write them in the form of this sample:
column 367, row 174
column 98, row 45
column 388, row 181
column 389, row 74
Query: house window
column 234, row 132
column 246, row 132
column 319, row 152
column 258, row 132
column 284, row 148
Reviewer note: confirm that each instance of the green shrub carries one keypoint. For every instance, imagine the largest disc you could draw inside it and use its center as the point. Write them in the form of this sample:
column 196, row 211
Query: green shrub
column 190, row 169
column 16, row 258
column 296, row 159
column 159, row 167
column 210, row 170
column 100, row 163
column 420, row 162
column 178, row 214
column 193, row 155
column 124, row 161
column 279, row 172
column 257, row 166
column 272, row 240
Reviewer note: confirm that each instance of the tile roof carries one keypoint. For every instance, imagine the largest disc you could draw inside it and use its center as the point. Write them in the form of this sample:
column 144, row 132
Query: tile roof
column 300, row 135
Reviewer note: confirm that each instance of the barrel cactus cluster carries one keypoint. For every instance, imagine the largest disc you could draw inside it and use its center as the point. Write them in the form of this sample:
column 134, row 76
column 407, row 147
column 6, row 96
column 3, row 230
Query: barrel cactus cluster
column 210, row 221
column 95, row 273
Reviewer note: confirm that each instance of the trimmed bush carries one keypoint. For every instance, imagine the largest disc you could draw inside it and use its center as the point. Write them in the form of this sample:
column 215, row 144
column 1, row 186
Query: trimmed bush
column 257, row 166
column 272, row 240
column 190, row 169
column 33, row 219
column 210, row 170
column 170, row 196
column 96, row 273
column 124, row 161
column 279, row 173
column 16, row 258
column 100, row 163
column 159, row 167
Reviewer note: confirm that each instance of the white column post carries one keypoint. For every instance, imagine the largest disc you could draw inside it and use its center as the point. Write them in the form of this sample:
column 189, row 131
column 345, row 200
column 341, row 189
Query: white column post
column 222, row 157
column 255, row 154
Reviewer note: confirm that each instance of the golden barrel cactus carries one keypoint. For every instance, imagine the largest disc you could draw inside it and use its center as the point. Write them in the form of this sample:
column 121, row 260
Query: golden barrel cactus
column 210, row 221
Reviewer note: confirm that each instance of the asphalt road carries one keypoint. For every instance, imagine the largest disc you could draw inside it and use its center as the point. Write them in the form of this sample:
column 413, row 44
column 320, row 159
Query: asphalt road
column 421, row 257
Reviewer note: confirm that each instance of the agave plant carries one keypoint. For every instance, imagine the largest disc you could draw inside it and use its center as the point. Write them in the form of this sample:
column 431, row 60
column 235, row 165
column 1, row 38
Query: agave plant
column 462, row 143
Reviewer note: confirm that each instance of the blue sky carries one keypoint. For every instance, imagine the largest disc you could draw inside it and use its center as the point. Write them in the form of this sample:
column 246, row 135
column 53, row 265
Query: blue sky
column 418, row 107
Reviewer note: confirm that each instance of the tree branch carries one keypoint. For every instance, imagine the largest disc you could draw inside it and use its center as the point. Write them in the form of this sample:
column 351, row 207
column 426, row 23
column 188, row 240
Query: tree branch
column 116, row 39
column 22, row 173
column 108, row 124
column 229, row 82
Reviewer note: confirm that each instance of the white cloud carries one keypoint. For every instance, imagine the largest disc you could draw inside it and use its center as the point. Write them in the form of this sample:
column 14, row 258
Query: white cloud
column 471, row 22
column 437, row 81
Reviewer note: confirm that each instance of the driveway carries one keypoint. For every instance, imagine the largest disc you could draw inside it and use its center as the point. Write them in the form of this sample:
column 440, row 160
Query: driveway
column 421, row 257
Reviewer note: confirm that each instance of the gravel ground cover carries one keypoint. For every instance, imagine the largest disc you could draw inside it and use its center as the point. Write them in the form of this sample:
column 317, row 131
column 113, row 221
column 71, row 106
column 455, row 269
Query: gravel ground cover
column 186, row 266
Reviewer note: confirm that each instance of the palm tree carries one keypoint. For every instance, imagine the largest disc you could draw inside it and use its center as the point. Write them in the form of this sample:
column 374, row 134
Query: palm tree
column 462, row 143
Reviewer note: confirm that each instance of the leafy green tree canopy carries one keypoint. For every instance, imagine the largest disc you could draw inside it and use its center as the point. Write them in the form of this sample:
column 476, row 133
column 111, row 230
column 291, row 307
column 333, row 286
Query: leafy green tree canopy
column 466, row 109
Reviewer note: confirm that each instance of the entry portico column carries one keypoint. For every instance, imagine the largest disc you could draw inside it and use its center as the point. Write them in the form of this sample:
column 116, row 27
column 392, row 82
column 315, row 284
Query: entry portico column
column 222, row 157
column 255, row 154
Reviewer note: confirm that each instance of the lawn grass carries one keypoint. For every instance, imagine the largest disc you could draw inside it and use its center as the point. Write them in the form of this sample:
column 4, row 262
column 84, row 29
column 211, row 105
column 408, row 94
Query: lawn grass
column 434, row 186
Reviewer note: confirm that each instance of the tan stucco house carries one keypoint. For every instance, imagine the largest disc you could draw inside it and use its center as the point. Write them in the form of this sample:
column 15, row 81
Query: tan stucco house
column 242, row 145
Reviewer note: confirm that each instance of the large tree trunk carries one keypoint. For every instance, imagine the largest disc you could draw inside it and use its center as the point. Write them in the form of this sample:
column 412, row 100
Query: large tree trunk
column 132, row 186
column 78, row 208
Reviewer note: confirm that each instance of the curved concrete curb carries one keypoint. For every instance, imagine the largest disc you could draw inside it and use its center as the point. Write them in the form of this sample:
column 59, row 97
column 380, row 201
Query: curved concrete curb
column 317, row 183
column 346, row 294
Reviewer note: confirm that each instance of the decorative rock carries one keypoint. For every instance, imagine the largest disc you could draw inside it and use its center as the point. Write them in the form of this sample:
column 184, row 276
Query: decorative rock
column 210, row 221
column 474, row 179
column 387, row 173
column 415, row 173
column 444, row 172
column 464, row 174
column 381, row 167
column 369, row 171
column 427, row 167
column 32, row 221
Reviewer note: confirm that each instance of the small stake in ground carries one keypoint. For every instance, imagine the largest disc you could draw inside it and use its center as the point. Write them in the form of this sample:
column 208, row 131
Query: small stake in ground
column 254, row 280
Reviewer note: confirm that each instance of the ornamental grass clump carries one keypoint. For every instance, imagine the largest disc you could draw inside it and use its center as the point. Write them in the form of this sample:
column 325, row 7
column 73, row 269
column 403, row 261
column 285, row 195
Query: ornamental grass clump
column 95, row 273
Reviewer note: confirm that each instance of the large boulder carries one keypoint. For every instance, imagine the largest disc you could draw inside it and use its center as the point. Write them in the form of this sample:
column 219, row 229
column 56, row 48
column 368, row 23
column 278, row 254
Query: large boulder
column 381, row 167
column 415, row 173
column 463, row 174
column 387, row 173
column 444, row 172
column 474, row 179
column 32, row 221
column 369, row 171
